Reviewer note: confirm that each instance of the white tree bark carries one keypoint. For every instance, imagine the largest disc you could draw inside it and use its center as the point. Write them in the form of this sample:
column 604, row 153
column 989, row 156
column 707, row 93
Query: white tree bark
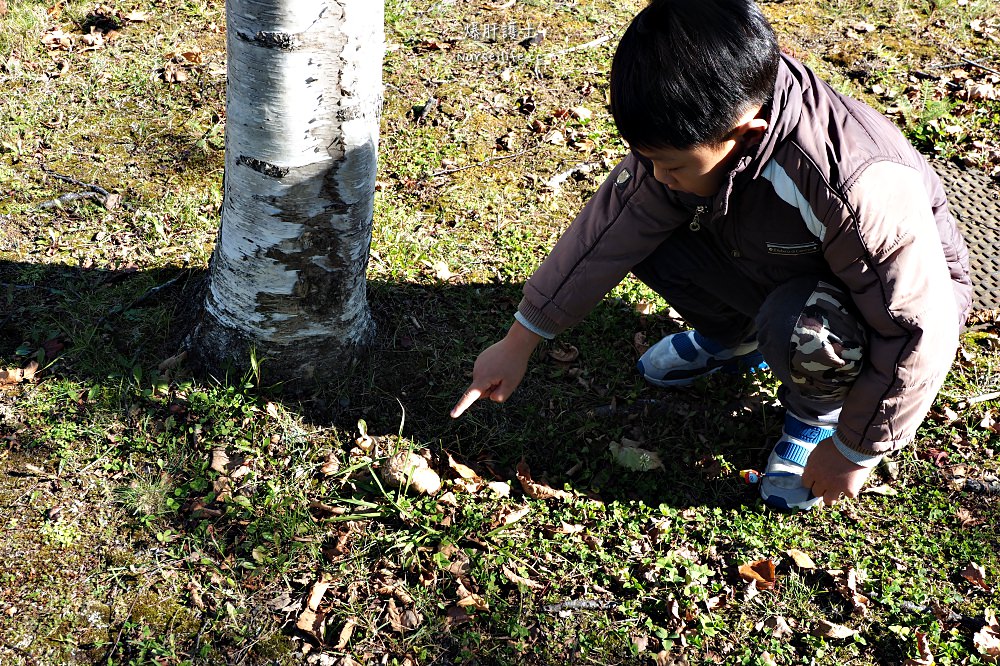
column 303, row 105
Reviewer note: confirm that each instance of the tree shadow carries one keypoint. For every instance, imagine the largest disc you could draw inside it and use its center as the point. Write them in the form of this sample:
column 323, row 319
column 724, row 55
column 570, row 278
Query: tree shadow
column 91, row 324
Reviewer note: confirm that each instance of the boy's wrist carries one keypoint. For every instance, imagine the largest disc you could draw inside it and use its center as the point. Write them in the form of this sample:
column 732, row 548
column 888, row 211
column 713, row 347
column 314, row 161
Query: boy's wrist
column 522, row 337
column 521, row 319
column 856, row 457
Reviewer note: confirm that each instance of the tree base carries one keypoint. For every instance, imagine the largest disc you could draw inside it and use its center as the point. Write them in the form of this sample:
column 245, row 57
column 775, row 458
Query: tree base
column 219, row 350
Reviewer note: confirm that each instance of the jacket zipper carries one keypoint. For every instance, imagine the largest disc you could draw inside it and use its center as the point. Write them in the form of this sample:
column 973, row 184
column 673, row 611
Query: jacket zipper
column 695, row 224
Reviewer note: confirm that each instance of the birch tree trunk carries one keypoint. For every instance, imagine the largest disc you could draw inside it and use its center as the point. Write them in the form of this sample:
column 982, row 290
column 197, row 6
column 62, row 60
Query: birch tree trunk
column 303, row 103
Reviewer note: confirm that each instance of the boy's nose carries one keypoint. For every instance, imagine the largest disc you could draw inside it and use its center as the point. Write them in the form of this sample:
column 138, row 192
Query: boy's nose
column 663, row 176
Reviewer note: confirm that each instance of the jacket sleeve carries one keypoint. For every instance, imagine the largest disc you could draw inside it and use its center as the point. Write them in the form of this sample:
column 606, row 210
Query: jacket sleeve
column 886, row 249
column 625, row 220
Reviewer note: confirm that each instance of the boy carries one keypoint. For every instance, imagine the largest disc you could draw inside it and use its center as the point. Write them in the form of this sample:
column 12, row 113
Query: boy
column 782, row 220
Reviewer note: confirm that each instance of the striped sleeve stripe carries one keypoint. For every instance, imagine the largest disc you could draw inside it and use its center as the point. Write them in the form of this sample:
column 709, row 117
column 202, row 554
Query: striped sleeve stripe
column 790, row 194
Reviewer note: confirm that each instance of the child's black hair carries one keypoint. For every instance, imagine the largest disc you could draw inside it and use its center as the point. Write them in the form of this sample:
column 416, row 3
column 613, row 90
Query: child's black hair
column 686, row 70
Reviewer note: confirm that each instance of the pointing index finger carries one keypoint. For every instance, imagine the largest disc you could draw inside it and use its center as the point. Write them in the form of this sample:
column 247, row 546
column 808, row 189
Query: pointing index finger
column 465, row 402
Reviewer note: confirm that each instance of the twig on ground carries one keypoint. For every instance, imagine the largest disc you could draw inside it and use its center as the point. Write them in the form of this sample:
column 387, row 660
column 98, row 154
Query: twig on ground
column 70, row 197
column 985, row 397
column 93, row 188
column 589, row 45
column 448, row 172
column 153, row 291
column 973, row 63
column 580, row 604
column 107, row 199
column 946, row 614
column 114, row 646
column 556, row 181
column 980, row 66
column 984, row 487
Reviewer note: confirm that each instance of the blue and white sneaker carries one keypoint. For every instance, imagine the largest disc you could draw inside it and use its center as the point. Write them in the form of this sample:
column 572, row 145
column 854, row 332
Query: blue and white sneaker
column 781, row 486
column 681, row 358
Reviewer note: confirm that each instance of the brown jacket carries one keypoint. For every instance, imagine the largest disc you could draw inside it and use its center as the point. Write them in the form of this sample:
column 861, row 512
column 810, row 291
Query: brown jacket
column 833, row 189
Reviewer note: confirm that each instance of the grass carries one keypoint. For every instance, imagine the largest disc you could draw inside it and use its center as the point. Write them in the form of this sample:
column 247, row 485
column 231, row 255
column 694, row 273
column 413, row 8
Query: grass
column 131, row 539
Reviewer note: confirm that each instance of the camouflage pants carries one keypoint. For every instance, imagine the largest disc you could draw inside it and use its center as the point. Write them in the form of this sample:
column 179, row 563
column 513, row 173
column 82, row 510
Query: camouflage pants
column 814, row 344
column 806, row 330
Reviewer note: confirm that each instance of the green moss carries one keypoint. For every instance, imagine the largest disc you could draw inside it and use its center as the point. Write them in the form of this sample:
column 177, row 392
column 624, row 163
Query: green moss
column 165, row 615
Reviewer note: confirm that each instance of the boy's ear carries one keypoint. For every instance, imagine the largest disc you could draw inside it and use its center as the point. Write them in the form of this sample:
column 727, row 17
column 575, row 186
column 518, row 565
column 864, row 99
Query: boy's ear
column 750, row 131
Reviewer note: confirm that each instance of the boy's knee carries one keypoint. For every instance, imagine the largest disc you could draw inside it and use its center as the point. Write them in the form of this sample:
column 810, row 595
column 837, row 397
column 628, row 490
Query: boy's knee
column 812, row 339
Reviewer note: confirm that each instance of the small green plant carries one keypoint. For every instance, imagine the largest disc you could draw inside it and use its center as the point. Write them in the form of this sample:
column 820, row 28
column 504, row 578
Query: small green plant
column 60, row 533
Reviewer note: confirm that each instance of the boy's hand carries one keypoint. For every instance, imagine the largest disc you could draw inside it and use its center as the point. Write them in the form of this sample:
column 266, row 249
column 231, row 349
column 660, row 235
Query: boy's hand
column 832, row 476
column 499, row 368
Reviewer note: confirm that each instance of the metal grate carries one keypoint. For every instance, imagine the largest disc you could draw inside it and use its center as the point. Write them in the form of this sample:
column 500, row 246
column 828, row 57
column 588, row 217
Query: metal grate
column 974, row 200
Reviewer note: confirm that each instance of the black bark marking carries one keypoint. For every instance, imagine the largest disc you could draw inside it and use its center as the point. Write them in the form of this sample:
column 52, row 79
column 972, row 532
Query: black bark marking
column 272, row 170
column 322, row 288
column 281, row 41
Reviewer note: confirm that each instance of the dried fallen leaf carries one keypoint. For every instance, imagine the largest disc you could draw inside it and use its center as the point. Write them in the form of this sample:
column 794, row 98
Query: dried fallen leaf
column 645, row 308
column 760, row 572
column 311, row 623
column 407, row 469
column 29, row 371
column 520, row 580
column 462, row 470
column 501, row 488
column 568, row 528
column 433, row 45
column 93, row 39
column 826, row 629
column 137, row 16
column 442, row 272
column 510, row 516
column 777, row 626
column 847, row 586
column 346, row 633
column 18, row 375
column 457, row 615
column 220, row 460
column 57, row 39
column 331, row 466
column 566, row 354
column 966, row 519
column 884, row 490
column 171, row 363
column 403, row 620
column 975, row 574
column 987, row 639
column 864, row 26
column 802, row 561
column 555, row 137
column 174, row 73
column 473, row 601
column 310, row 620
column 635, row 458
column 536, row 490
column 640, row 343
column 926, row 657
column 581, row 113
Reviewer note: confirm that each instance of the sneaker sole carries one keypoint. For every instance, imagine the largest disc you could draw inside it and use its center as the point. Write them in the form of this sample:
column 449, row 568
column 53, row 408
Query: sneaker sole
column 750, row 364
column 780, row 504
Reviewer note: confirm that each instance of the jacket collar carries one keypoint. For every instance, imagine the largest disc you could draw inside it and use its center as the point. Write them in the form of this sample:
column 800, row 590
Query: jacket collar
column 783, row 118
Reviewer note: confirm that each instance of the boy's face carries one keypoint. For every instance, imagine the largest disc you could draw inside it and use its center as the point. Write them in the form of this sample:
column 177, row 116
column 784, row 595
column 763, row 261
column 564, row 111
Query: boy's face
column 700, row 170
